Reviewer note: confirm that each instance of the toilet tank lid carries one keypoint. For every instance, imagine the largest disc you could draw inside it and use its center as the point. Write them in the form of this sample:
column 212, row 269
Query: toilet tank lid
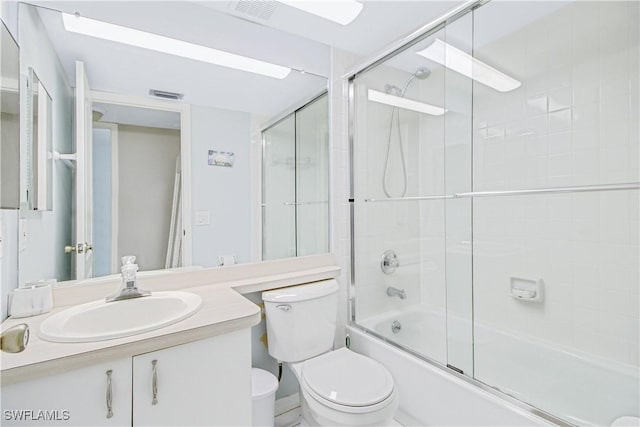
column 302, row 293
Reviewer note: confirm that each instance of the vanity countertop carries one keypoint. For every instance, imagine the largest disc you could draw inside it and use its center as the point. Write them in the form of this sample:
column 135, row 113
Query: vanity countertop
column 224, row 309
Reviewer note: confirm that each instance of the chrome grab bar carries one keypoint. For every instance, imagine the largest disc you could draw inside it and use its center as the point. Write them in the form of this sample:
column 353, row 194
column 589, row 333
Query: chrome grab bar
column 533, row 191
column 320, row 202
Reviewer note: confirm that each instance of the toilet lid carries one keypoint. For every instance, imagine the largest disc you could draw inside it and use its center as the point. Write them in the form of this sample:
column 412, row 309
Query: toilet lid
column 626, row 421
column 347, row 378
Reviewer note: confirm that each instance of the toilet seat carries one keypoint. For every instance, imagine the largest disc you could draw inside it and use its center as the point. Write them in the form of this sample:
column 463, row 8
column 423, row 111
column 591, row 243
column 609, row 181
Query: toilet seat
column 347, row 382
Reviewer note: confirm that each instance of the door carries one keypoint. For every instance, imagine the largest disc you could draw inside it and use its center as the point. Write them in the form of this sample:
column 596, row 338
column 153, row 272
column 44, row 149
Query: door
column 97, row 395
column 83, row 247
column 202, row 383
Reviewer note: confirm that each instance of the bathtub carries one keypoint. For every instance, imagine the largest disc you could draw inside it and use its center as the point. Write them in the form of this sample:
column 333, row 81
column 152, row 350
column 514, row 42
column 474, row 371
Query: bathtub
column 574, row 387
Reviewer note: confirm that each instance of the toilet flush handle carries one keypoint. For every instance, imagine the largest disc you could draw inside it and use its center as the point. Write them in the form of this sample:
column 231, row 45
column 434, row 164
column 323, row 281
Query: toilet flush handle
column 284, row 307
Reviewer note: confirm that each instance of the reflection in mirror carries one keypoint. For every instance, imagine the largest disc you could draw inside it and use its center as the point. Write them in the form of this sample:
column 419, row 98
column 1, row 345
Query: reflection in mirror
column 38, row 153
column 9, row 121
column 295, row 192
column 135, row 209
column 226, row 109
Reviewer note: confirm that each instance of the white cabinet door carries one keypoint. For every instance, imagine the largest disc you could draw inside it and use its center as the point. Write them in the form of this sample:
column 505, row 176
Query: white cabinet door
column 206, row 382
column 76, row 398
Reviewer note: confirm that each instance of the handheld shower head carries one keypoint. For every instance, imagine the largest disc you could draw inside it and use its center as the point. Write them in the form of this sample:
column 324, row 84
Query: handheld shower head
column 422, row 73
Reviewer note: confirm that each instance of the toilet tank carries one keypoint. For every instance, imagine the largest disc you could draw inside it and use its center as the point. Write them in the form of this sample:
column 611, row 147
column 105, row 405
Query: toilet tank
column 301, row 320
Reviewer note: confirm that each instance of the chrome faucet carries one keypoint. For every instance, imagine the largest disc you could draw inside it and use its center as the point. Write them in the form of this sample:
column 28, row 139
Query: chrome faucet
column 395, row 292
column 128, row 289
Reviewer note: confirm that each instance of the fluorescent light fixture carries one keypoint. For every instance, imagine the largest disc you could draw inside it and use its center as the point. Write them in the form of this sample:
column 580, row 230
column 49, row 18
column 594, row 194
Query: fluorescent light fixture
column 407, row 104
column 465, row 64
column 339, row 11
column 142, row 39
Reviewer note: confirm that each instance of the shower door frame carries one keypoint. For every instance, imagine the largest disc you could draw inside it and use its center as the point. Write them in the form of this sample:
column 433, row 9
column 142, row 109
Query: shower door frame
column 387, row 53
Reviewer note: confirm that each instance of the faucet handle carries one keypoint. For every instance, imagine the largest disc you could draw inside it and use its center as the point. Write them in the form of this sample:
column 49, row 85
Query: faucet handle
column 128, row 260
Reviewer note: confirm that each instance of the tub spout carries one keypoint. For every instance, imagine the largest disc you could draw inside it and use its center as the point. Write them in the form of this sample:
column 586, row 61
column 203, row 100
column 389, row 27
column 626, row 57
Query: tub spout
column 395, row 292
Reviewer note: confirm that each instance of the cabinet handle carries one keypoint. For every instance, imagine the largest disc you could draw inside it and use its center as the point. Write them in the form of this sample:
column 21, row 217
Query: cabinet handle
column 109, row 395
column 154, row 383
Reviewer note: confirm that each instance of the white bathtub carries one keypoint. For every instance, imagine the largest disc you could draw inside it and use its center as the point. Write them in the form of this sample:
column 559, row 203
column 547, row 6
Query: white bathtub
column 574, row 387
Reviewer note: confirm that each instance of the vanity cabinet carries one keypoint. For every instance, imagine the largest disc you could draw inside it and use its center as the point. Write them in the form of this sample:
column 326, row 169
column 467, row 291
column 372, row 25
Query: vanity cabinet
column 76, row 398
column 203, row 383
column 206, row 382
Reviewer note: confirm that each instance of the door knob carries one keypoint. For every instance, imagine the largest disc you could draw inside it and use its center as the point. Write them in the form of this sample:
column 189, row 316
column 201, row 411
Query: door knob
column 79, row 248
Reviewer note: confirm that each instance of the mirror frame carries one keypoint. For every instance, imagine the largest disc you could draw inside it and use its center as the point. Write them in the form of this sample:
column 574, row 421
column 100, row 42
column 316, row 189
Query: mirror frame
column 39, row 155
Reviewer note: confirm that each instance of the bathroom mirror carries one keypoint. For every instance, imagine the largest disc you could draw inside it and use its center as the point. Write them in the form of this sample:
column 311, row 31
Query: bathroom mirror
column 9, row 121
column 227, row 110
column 38, row 154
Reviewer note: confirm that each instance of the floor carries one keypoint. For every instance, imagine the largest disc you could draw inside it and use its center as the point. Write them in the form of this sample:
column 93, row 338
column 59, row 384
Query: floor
column 292, row 419
column 288, row 419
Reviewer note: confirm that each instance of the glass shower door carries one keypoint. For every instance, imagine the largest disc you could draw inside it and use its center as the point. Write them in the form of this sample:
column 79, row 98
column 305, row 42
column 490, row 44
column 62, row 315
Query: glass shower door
column 295, row 184
column 399, row 198
column 556, row 273
column 312, row 178
column 495, row 203
column 278, row 190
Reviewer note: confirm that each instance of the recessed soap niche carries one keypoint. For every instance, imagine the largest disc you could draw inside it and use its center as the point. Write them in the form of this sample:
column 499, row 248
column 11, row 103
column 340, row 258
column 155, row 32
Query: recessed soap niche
column 527, row 289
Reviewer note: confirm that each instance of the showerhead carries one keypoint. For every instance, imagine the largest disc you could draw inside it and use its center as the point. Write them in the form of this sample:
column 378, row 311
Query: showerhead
column 422, row 73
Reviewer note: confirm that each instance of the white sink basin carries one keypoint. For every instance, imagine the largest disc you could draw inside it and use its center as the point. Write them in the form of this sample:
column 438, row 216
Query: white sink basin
column 100, row 320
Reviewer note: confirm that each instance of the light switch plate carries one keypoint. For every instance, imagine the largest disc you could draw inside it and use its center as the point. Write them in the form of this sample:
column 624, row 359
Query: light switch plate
column 202, row 218
column 22, row 237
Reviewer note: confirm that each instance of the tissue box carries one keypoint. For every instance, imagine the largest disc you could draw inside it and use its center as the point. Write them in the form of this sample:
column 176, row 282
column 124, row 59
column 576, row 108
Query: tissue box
column 35, row 298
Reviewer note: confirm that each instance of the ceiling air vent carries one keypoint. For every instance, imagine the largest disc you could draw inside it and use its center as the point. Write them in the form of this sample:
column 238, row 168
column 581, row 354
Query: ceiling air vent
column 166, row 95
column 256, row 9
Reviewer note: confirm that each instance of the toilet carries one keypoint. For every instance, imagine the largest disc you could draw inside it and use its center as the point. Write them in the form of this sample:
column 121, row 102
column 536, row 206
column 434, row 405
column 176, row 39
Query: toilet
column 337, row 387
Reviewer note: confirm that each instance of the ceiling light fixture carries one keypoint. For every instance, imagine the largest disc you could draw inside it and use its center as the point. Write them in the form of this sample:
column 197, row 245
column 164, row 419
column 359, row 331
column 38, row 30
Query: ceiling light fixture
column 407, row 104
column 142, row 39
column 342, row 12
column 465, row 64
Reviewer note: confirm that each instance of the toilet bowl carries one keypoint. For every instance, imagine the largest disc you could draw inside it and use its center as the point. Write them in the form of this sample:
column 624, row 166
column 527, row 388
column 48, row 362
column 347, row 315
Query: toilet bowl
column 337, row 387
column 343, row 388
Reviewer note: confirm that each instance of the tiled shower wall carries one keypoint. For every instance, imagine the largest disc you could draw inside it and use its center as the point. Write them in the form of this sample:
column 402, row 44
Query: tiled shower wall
column 574, row 121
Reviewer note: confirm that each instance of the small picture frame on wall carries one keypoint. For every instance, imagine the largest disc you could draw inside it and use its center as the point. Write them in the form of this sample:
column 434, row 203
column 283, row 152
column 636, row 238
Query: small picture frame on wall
column 220, row 158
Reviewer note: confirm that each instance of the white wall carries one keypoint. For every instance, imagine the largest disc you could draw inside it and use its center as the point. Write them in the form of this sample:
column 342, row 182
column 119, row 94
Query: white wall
column 8, row 257
column 225, row 192
column 146, row 177
column 9, row 15
column 48, row 232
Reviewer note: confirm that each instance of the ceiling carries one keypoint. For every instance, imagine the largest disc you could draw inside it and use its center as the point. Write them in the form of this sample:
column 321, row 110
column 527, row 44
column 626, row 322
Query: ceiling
column 288, row 37
column 126, row 115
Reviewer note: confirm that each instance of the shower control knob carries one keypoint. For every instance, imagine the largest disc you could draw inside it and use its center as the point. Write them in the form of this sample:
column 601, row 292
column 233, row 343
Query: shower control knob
column 389, row 262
